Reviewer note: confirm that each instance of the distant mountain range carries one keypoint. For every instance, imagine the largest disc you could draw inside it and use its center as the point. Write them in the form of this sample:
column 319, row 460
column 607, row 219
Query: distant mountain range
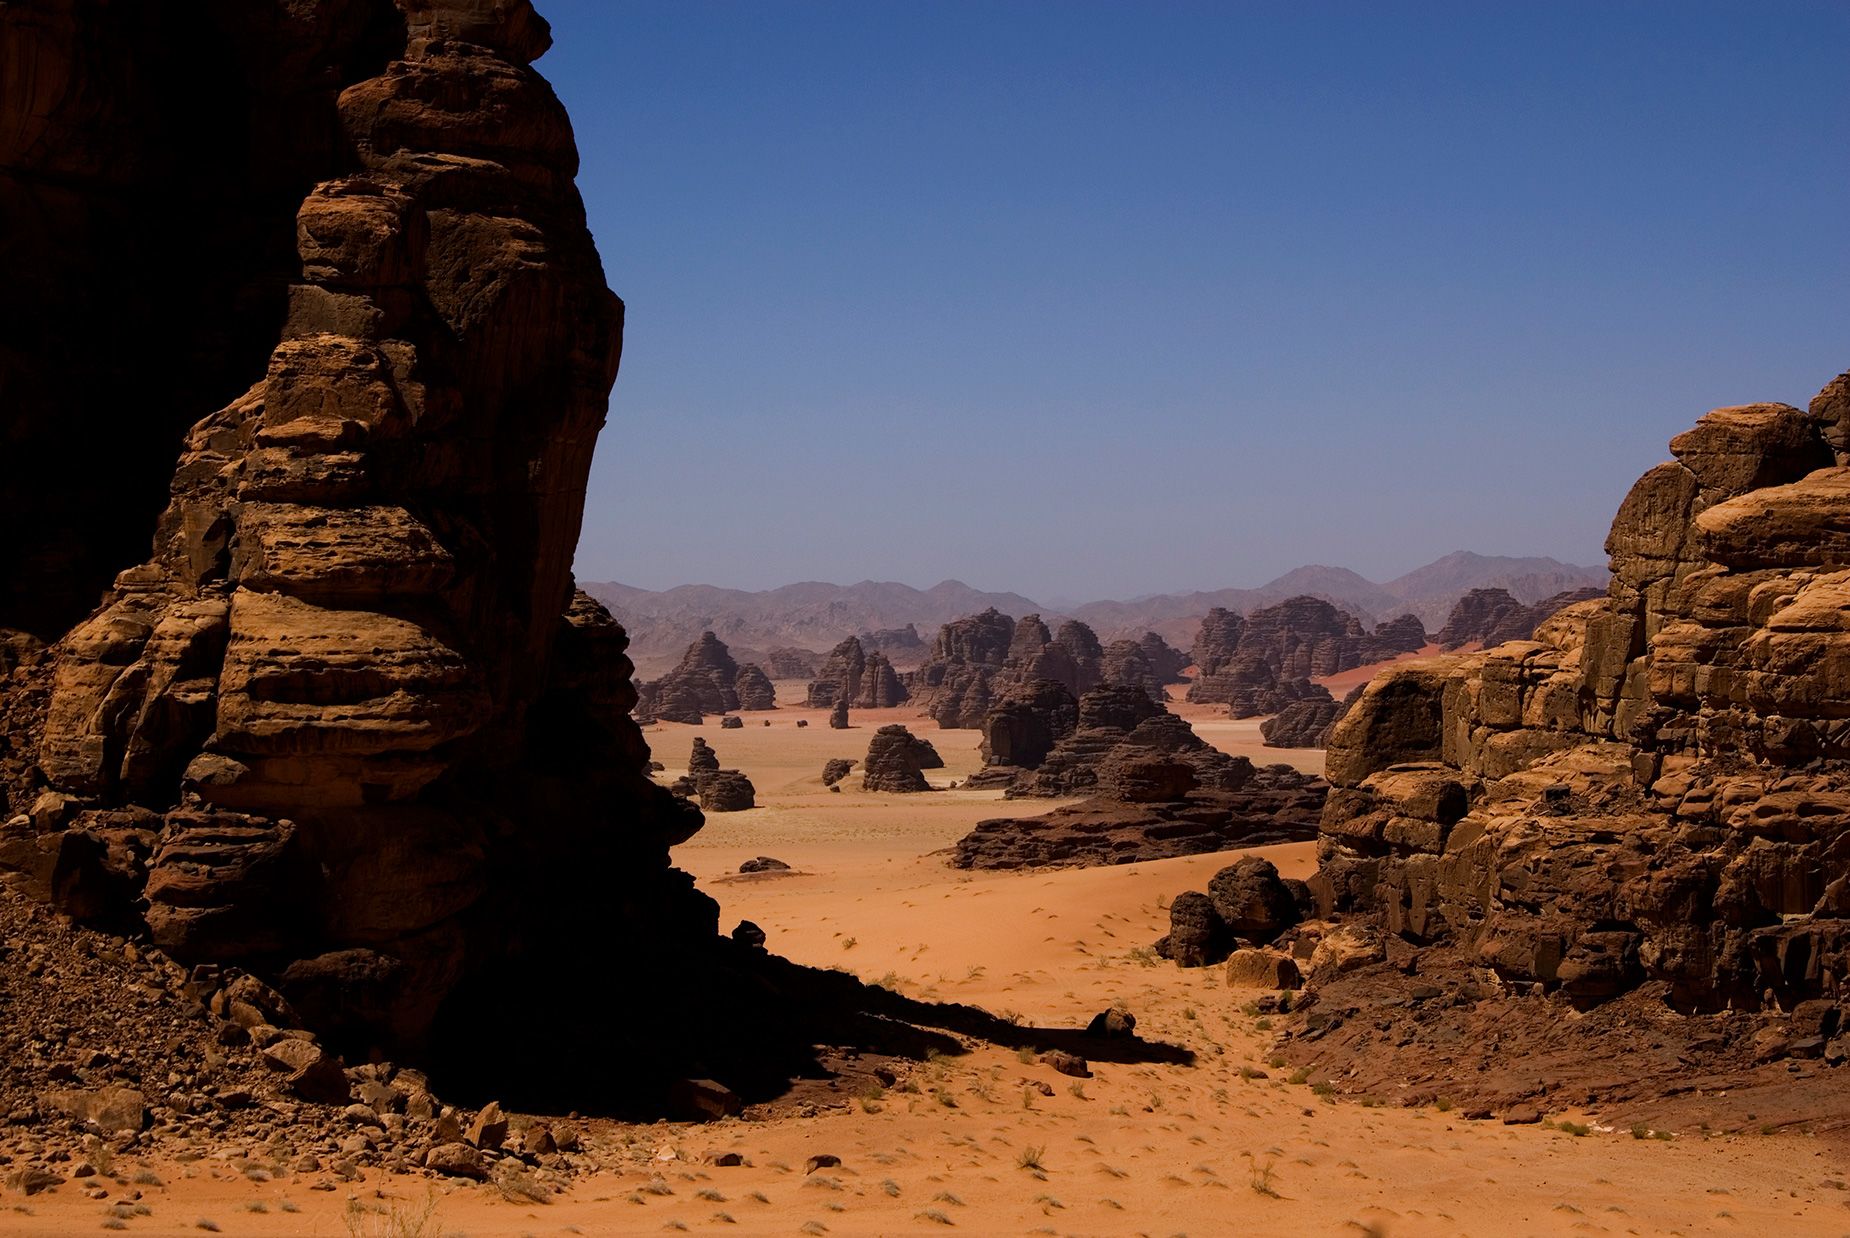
column 816, row 615
column 1428, row 592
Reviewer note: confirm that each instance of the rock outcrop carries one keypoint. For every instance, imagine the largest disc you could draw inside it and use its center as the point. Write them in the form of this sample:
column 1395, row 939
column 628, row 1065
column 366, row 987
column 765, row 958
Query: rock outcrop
column 1492, row 617
column 1263, row 662
column 839, row 680
column 904, row 644
column 1304, row 723
column 725, row 790
column 880, row 685
column 835, row 769
column 1129, row 823
column 702, row 759
column 895, row 761
column 838, row 716
column 979, row 660
column 754, row 689
column 953, row 685
column 348, row 725
column 1247, row 904
column 705, row 682
column 1655, row 789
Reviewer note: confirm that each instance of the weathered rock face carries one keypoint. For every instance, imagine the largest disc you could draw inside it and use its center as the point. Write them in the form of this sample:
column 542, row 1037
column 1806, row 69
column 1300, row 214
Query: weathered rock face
column 1262, row 663
column 349, row 725
column 1303, row 723
column 1167, row 661
column 754, row 689
column 702, row 760
column 839, row 680
column 1275, row 804
column 895, row 759
column 725, row 790
column 880, row 685
column 1247, row 903
column 1492, row 616
column 705, row 682
column 979, row 660
column 1026, row 724
column 1657, row 786
column 902, row 644
column 952, row 685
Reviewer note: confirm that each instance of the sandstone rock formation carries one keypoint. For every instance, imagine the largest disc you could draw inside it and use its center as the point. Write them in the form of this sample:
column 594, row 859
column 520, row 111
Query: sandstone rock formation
column 731, row 722
column 1491, row 617
column 952, row 686
column 705, row 682
column 1275, row 804
column 1261, row 663
column 835, row 769
column 725, row 790
column 1303, row 723
column 895, row 759
column 1024, row 726
column 349, row 725
column 753, row 688
column 1148, row 663
column 978, row 660
column 1656, row 788
column 1247, row 903
column 904, row 643
column 838, row 716
column 880, row 686
column 702, row 759
column 840, row 676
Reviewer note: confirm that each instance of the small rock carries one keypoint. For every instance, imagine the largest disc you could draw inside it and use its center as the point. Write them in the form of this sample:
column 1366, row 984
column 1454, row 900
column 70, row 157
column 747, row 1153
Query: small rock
column 456, row 1160
column 1066, row 1063
column 489, row 1130
column 1522, row 1115
column 822, row 1160
column 1114, row 1024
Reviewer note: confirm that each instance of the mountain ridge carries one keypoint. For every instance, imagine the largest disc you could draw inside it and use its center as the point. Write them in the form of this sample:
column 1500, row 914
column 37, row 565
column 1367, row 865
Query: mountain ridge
column 817, row 614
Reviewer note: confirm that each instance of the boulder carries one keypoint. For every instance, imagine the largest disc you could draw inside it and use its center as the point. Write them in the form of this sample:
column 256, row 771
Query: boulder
column 1197, row 937
column 1252, row 901
column 836, row 769
column 725, row 790
column 895, row 759
column 1251, row 968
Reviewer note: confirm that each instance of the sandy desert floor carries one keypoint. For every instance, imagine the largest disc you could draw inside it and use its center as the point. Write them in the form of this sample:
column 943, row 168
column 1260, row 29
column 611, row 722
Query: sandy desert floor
column 990, row 1141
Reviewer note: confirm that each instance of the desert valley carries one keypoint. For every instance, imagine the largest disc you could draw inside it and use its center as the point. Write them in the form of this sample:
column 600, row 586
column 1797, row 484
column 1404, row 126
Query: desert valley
column 368, row 869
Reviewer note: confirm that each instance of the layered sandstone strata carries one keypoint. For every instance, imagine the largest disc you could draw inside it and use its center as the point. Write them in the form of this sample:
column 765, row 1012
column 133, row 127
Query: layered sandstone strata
column 1657, row 786
column 1262, row 662
column 1491, row 617
column 349, row 725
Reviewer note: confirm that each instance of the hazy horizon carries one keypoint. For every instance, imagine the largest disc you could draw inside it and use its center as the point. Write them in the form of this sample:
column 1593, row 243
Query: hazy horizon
column 1095, row 300
column 1055, row 601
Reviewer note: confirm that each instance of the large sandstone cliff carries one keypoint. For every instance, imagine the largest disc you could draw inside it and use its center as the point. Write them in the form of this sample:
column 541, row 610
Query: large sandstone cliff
column 348, row 725
column 1656, row 788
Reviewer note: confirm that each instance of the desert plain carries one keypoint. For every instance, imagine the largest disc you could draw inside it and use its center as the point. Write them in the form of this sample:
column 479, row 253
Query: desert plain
column 1208, row 1134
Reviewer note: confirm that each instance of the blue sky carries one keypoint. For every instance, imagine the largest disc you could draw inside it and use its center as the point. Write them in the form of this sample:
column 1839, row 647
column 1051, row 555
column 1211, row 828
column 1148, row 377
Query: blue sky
column 1086, row 299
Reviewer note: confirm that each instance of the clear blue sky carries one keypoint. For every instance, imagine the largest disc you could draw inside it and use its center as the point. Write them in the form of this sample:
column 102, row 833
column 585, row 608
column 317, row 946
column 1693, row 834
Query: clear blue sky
column 1089, row 299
